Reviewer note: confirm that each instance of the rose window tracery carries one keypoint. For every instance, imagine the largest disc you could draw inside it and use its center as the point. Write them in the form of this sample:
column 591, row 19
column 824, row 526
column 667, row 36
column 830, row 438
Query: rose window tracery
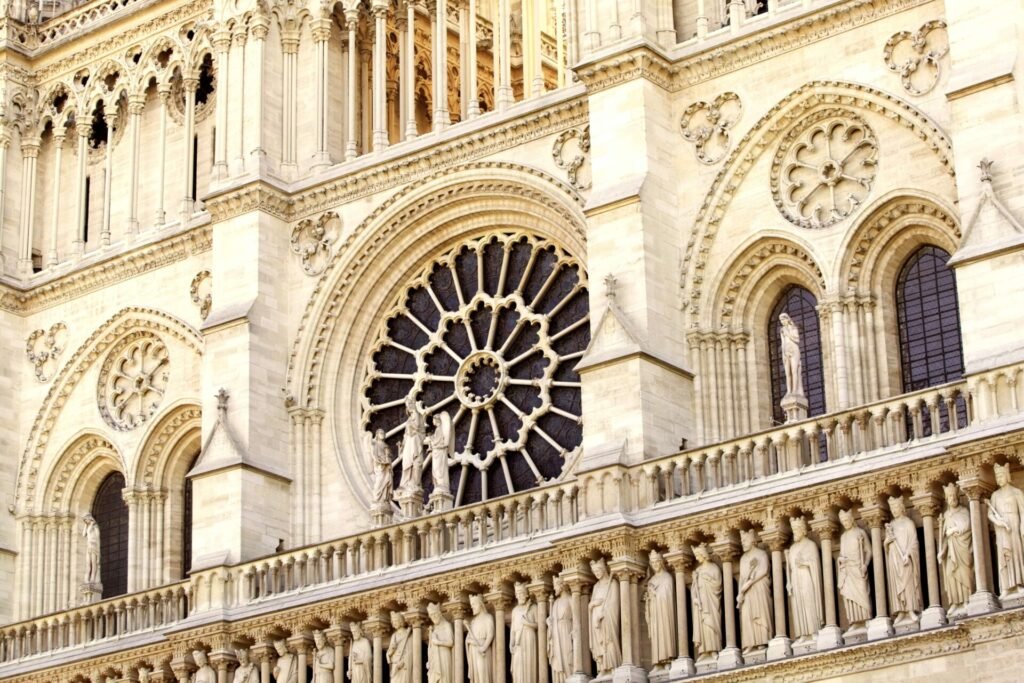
column 132, row 381
column 824, row 169
column 489, row 333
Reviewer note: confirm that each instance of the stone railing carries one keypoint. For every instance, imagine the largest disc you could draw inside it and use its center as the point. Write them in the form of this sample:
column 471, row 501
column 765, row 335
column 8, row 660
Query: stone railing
column 69, row 22
column 102, row 621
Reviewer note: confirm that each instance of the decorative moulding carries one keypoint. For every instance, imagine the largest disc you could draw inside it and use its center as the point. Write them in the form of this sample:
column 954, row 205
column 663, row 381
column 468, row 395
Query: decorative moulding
column 917, row 57
column 44, row 348
column 992, row 228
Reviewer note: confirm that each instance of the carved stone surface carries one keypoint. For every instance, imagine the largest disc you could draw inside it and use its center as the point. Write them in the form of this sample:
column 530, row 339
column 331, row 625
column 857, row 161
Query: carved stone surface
column 955, row 553
column 754, row 596
column 360, row 659
column 708, row 124
column 323, row 659
column 440, row 642
column 44, row 348
column 605, row 618
column 804, row 583
column 706, row 595
column 132, row 381
column 903, row 566
column 1006, row 515
column 200, row 291
column 852, row 573
column 480, row 642
column 400, row 650
column 204, row 672
column 659, row 610
column 561, row 639
column 571, row 152
column 917, row 57
column 523, row 637
column 247, row 671
column 91, row 533
column 824, row 169
column 312, row 241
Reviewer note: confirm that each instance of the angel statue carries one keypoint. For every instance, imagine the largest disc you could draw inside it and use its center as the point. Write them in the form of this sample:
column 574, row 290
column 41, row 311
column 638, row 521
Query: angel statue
column 380, row 461
column 412, row 448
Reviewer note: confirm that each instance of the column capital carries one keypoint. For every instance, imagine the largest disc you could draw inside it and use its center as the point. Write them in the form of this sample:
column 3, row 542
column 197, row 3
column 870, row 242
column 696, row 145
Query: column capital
column 290, row 42
column 338, row 634
column 221, row 40
column 222, row 658
column 259, row 26
column 976, row 487
column 190, row 84
column 239, row 36
column 680, row 560
column 30, row 147
column 458, row 607
column 540, row 588
column 927, row 503
column 727, row 547
column 502, row 598
column 626, row 567
column 874, row 514
column 378, row 625
column 825, row 526
column 321, row 29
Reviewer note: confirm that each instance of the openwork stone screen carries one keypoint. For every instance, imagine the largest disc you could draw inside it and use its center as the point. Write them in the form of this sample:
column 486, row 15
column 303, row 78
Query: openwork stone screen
column 489, row 333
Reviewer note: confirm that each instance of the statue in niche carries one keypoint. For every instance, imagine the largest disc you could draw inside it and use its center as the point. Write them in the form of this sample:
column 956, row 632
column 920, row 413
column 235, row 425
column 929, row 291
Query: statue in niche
column 659, row 609
column 1006, row 513
column 479, row 642
column 412, row 448
column 955, row 557
column 399, row 653
column 442, row 449
column 790, row 348
column 902, row 565
column 91, row 533
column 360, row 658
column 204, row 672
column 706, row 598
column 804, row 583
column 561, row 636
column 852, row 573
column 323, row 659
column 604, row 619
column 754, row 597
column 380, row 459
column 247, row 671
column 523, row 637
column 440, row 641
column 285, row 670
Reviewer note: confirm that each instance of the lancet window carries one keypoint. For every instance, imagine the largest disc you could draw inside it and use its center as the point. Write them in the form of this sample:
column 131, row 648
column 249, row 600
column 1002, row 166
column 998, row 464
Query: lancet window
column 801, row 306
column 111, row 515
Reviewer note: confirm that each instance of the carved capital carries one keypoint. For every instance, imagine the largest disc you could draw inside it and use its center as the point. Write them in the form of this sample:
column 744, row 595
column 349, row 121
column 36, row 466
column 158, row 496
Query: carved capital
column 927, row 503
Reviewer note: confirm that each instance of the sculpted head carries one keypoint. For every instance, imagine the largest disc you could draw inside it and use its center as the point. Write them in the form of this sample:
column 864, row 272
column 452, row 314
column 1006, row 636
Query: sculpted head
column 558, row 583
column 356, row 629
column 319, row 639
column 748, row 539
column 88, row 518
column 799, row 527
column 476, row 604
column 657, row 561
column 952, row 494
column 599, row 567
column 846, row 518
column 243, row 656
column 397, row 620
column 896, row 506
column 199, row 657
column 379, row 435
column 281, row 647
column 434, row 612
column 1002, row 473
column 785, row 320
column 522, row 593
column 702, row 552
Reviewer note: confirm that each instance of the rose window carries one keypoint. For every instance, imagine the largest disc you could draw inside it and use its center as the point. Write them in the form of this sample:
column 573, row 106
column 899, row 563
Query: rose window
column 824, row 170
column 133, row 380
column 490, row 334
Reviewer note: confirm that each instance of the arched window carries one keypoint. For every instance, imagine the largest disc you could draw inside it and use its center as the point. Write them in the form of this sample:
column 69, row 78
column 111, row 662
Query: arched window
column 111, row 515
column 186, row 522
column 801, row 306
column 929, row 321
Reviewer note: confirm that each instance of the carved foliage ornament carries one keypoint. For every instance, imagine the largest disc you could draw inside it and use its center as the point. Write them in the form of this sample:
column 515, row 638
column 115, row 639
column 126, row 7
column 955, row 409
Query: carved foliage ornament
column 917, row 57
column 199, row 290
column 312, row 241
column 824, row 169
column 707, row 126
column 44, row 347
column 571, row 152
column 489, row 333
column 133, row 380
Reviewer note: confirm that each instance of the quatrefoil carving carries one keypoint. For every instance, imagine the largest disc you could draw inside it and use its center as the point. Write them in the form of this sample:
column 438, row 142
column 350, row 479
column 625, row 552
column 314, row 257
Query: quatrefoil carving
column 312, row 241
column 917, row 57
column 44, row 348
column 707, row 126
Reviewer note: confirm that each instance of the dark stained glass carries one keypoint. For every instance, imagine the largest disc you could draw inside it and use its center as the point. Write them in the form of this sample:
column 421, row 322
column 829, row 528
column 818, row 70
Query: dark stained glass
column 186, row 523
column 801, row 306
column 111, row 514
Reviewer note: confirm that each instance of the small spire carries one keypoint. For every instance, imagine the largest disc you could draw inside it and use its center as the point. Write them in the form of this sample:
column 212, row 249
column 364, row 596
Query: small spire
column 986, row 170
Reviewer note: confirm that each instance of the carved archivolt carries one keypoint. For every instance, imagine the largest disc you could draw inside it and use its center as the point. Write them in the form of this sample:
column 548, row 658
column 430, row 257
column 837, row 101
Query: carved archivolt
column 200, row 291
column 44, row 348
column 489, row 333
column 824, row 168
column 576, row 140
column 63, row 478
column 132, row 380
column 774, row 251
column 917, row 57
column 707, row 126
column 167, row 434
column 312, row 241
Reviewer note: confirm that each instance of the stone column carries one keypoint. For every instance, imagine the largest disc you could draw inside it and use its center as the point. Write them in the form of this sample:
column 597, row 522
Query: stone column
column 83, row 130
column 780, row 646
column 983, row 599
column 224, row 661
column 190, row 84
column 351, row 139
column 5, row 143
column 502, row 601
column 408, row 69
column 680, row 561
column 928, row 505
column 337, row 635
column 321, row 31
column 540, row 589
column 221, row 41
column 160, row 215
column 235, row 92
column 29, row 159
column 136, row 103
column 263, row 653
column 417, row 620
column 58, row 154
column 503, row 95
column 302, row 645
column 473, row 101
column 459, row 611
column 728, row 550
column 259, row 26
column 380, row 128
column 881, row 626
column 108, row 177
column 579, row 579
column 830, row 635
column 439, row 72
column 131, row 500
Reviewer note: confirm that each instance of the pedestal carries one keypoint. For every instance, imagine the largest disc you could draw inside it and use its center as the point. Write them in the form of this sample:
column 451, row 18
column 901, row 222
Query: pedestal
column 981, row 602
column 682, row 667
column 90, row 593
column 857, row 633
column 933, row 617
column 729, row 658
column 906, row 622
column 441, row 501
column 795, row 407
column 829, row 637
column 629, row 674
column 879, row 628
column 707, row 664
column 382, row 515
column 805, row 645
column 578, row 678
column 411, row 503
column 779, row 647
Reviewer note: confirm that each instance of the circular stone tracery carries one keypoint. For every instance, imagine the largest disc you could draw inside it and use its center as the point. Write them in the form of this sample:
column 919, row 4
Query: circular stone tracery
column 489, row 333
column 132, row 381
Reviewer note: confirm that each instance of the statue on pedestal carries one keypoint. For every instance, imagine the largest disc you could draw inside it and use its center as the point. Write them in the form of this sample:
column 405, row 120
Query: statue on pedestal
column 441, row 445
column 754, row 597
column 91, row 533
column 706, row 598
column 1006, row 513
column 903, row 566
column 286, row 671
column 323, row 659
column 852, row 573
column 804, row 583
column 412, row 448
column 793, row 403
column 383, row 479
column 955, row 552
column 440, row 641
column 247, row 671
column 659, row 608
column 400, row 651
column 204, row 672
column 523, row 637
column 604, row 619
column 360, row 658
column 561, row 638
column 480, row 642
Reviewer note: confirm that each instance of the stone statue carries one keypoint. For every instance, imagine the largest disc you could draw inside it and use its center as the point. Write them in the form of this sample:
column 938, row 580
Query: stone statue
column 706, row 597
column 955, row 557
column 323, row 659
column 204, row 672
column 523, row 637
column 902, row 566
column 659, row 609
column 360, row 658
column 380, row 460
column 442, row 448
column 604, row 619
column 804, row 583
column 400, row 650
column 91, row 533
column 247, row 671
column 561, row 637
column 285, row 671
column 1006, row 513
column 412, row 448
column 790, row 348
column 754, row 597
column 440, row 641
column 852, row 573
column 479, row 642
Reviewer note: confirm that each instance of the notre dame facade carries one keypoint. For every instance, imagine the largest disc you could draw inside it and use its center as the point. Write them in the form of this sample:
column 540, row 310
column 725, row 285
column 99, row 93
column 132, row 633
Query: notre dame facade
column 511, row 341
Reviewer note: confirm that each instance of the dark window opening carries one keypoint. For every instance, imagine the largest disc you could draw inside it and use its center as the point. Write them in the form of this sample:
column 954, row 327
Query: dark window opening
column 801, row 306
column 186, row 523
column 85, row 212
column 206, row 81
column 195, row 165
column 111, row 514
column 99, row 133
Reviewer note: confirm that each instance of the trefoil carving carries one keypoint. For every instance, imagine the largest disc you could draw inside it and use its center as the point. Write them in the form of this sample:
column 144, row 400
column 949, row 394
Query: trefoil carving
column 708, row 124
column 917, row 57
column 312, row 241
column 44, row 348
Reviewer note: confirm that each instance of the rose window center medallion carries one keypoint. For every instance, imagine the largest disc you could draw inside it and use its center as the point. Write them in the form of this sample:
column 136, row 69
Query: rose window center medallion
column 133, row 380
column 484, row 341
